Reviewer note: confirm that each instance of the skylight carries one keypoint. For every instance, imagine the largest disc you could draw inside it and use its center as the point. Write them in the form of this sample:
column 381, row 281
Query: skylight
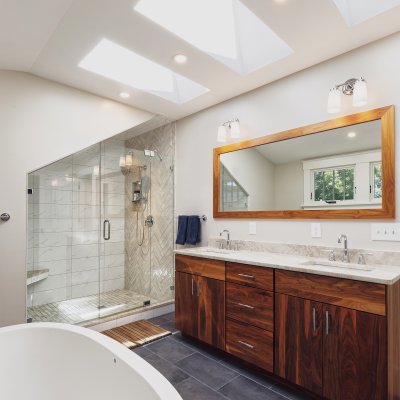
column 225, row 29
column 356, row 11
column 115, row 62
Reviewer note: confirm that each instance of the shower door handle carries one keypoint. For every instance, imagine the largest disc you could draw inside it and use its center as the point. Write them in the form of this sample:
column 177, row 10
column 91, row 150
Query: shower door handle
column 106, row 222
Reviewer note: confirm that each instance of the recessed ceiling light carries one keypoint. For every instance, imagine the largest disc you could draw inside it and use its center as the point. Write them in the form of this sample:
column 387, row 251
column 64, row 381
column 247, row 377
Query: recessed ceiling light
column 115, row 62
column 356, row 11
column 232, row 30
column 351, row 135
column 125, row 95
column 180, row 58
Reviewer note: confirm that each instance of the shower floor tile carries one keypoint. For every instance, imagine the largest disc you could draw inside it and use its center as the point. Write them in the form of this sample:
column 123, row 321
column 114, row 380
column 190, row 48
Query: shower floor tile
column 86, row 308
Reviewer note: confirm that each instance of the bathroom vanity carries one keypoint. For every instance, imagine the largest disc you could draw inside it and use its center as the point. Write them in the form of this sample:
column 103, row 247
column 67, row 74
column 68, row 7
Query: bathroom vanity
column 329, row 328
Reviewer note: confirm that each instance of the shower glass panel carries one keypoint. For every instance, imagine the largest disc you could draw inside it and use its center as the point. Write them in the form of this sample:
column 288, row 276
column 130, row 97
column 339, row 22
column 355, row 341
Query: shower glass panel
column 64, row 242
column 101, row 230
column 125, row 237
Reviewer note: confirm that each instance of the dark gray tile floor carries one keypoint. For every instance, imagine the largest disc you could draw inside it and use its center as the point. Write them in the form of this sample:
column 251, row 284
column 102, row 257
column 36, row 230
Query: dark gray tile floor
column 199, row 372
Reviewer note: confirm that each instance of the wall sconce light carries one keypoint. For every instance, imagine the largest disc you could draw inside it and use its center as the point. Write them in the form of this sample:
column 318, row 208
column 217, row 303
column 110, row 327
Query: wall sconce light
column 355, row 87
column 229, row 129
column 125, row 163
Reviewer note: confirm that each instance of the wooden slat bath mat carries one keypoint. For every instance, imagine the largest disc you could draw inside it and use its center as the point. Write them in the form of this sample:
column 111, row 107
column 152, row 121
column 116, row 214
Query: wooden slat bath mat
column 137, row 333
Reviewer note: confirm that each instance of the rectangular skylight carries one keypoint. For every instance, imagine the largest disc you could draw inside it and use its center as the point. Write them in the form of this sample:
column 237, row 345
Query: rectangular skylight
column 115, row 62
column 225, row 29
column 356, row 11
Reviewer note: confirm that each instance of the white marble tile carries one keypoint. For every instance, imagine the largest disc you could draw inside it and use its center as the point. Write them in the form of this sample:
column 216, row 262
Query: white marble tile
column 88, row 198
column 86, row 211
column 114, row 260
column 85, row 277
column 55, row 267
column 86, row 224
column 112, row 273
column 49, row 296
column 86, row 185
column 52, row 211
column 89, row 237
column 52, row 239
column 52, row 182
column 114, row 248
column 85, row 263
column 52, row 282
column 113, row 199
column 112, row 284
column 85, row 290
column 52, row 225
column 113, row 187
column 85, row 250
column 52, row 196
column 51, row 253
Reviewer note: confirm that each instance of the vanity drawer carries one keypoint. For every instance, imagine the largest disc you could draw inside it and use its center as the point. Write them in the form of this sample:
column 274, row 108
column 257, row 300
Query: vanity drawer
column 244, row 274
column 250, row 305
column 357, row 295
column 214, row 269
column 251, row 344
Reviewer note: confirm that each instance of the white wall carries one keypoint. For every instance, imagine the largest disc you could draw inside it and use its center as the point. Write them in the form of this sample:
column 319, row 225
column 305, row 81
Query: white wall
column 297, row 100
column 289, row 186
column 40, row 122
column 255, row 174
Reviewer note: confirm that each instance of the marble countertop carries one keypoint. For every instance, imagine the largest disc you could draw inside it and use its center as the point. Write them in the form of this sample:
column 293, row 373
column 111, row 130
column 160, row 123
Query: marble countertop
column 385, row 274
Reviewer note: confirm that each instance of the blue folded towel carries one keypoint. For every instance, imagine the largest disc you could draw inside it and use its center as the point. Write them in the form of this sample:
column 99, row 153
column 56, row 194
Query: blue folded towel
column 182, row 227
column 193, row 235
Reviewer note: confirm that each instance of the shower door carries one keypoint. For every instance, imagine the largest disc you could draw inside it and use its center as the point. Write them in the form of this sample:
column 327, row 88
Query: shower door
column 125, row 279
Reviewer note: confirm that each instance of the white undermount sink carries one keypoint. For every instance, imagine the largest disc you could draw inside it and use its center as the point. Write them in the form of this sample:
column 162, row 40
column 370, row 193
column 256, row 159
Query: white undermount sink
column 220, row 251
column 334, row 264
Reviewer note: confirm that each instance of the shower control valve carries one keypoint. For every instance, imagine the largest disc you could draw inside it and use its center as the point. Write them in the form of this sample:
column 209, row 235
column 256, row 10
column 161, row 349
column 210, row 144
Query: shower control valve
column 149, row 221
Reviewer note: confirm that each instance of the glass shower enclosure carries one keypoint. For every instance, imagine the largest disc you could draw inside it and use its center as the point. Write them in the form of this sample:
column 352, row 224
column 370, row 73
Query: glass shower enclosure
column 100, row 234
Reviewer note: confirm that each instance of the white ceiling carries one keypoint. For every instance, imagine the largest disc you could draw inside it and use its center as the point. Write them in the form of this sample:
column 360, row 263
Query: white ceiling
column 324, row 144
column 49, row 38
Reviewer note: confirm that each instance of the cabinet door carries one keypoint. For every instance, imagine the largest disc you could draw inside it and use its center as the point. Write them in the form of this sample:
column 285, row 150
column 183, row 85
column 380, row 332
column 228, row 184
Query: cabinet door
column 186, row 315
column 211, row 311
column 354, row 355
column 298, row 341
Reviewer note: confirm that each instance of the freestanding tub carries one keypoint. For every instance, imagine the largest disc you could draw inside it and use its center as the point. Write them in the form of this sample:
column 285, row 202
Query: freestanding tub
column 48, row 361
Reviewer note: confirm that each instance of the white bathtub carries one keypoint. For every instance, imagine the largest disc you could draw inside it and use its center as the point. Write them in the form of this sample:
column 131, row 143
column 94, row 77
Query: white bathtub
column 47, row 361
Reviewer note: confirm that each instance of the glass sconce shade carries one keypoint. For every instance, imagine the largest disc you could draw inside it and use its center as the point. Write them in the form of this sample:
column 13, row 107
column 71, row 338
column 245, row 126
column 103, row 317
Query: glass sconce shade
column 122, row 161
column 235, row 129
column 128, row 160
column 360, row 94
column 222, row 134
column 334, row 101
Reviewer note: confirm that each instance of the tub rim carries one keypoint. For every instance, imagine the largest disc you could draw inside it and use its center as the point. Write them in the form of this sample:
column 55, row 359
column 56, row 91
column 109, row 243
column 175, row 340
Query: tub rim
column 162, row 387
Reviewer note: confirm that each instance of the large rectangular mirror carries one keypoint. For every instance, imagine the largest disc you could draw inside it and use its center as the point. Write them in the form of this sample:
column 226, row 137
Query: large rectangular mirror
column 342, row 168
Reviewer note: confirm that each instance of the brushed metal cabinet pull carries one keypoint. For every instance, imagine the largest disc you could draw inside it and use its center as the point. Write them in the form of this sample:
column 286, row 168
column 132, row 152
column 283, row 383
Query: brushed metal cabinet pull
column 198, row 288
column 245, row 305
column 327, row 322
column 192, row 286
column 246, row 344
column 246, row 276
column 313, row 318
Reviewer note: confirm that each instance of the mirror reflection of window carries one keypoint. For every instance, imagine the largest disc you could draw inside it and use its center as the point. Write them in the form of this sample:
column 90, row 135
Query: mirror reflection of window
column 333, row 184
column 377, row 180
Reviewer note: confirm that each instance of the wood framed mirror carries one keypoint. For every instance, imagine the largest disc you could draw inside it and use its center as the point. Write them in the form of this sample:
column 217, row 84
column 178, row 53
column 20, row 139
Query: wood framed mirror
column 342, row 168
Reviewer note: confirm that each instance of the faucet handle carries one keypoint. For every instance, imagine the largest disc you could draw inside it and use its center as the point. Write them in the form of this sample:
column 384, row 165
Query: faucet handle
column 361, row 258
column 331, row 255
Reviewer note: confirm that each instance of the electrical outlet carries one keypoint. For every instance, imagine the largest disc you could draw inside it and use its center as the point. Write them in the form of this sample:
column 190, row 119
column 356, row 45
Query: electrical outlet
column 385, row 232
column 316, row 230
column 252, row 228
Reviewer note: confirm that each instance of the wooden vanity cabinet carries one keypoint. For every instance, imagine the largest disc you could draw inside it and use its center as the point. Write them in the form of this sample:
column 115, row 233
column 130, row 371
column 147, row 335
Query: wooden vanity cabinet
column 336, row 352
column 200, row 299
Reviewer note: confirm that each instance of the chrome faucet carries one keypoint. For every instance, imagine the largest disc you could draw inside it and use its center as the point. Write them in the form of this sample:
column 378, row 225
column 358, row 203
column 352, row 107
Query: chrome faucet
column 228, row 240
column 346, row 257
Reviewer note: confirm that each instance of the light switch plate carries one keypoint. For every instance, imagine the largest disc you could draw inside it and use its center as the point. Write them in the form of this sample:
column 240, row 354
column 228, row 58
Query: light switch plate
column 386, row 232
column 252, row 228
column 316, row 230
